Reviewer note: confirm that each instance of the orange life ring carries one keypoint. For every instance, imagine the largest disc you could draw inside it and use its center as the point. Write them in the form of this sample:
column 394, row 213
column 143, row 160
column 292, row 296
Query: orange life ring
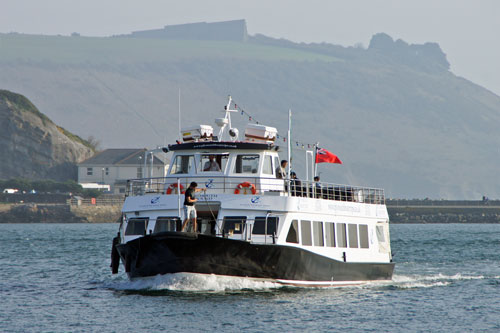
column 245, row 184
column 174, row 186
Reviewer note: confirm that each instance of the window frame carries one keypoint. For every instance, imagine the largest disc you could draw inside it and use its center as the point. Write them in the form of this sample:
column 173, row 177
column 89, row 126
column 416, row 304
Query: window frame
column 191, row 163
column 234, row 170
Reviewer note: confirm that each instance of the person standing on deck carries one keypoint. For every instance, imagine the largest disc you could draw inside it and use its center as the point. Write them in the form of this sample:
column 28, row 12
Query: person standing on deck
column 189, row 209
column 281, row 170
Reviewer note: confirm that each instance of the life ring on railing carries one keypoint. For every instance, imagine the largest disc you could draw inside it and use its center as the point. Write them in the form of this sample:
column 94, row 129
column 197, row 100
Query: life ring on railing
column 174, row 186
column 245, row 184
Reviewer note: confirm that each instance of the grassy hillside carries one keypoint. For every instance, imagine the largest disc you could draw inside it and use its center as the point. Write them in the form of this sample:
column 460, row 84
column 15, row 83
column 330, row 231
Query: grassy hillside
column 394, row 113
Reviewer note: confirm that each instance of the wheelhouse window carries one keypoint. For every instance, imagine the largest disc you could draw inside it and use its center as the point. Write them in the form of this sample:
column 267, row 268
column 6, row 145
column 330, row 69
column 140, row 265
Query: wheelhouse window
column 363, row 236
column 259, row 225
column 293, row 233
column 353, row 235
column 305, row 230
column 318, row 233
column 330, row 234
column 136, row 226
column 90, row 171
column 183, row 164
column 341, row 235
column 267, row 167
column 247, row 163
column 234, row 224
column 167, row 224
column 213, row 162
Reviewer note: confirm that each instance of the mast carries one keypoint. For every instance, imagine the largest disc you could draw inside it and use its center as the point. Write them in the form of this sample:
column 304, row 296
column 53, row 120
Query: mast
column 289, row 148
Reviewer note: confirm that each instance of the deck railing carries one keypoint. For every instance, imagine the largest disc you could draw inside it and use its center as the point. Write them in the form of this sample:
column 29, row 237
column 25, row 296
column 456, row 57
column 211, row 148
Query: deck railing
column 257, row 186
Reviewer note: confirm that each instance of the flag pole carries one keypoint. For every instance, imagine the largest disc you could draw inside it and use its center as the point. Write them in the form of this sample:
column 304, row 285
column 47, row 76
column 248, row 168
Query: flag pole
column 315, row 164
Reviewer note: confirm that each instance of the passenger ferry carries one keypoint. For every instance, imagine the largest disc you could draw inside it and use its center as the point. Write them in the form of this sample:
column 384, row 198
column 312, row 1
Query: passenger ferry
column 251, row 223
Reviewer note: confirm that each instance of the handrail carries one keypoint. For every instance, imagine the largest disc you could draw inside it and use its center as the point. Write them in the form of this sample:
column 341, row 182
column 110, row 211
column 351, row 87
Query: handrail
column 287, row 187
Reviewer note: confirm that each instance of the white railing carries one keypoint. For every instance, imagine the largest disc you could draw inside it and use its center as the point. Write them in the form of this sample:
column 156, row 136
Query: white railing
column 258, row 186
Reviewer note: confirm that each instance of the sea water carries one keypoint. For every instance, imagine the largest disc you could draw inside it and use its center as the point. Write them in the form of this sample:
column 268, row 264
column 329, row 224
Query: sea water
column 56, row 278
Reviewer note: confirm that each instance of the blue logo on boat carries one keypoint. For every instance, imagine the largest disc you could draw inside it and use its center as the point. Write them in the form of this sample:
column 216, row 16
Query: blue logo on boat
column 255, row 200
column 209, row 183
column 155, row 200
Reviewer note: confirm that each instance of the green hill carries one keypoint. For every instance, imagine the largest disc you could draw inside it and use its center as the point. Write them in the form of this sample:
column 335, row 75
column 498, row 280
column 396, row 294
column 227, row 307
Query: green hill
column 394, row 113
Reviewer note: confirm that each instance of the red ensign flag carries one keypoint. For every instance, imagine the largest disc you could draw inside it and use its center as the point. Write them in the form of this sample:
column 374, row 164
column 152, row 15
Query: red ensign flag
column 324, row 156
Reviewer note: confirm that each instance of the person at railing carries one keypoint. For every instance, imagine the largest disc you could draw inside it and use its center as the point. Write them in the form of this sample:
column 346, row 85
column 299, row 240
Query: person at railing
column 295, row 184
column 317, row 188
column 211, row 164
column 189, row 209
column 281, row 170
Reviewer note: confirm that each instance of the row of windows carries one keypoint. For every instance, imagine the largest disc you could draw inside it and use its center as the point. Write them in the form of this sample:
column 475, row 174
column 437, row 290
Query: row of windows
column 244, row 163
column 90, row 171
column 231, row 225
column 312, row 233
column 328, row 234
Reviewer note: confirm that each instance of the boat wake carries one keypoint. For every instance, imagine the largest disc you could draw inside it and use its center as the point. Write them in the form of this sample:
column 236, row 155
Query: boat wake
column 427, row 281
column 192, row 282
column 196, row 283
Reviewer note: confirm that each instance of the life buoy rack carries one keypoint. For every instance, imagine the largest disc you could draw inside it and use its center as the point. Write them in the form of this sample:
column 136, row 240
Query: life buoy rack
column 174, row 186
column 246, row 185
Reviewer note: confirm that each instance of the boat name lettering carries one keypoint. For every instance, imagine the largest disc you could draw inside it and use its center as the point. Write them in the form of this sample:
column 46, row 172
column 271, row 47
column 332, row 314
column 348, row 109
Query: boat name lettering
column 207, row 197
column 344, row 208
column 222, row 145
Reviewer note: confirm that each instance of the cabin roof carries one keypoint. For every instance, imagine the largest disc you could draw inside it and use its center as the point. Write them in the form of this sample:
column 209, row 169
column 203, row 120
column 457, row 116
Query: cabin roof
column 213, row 145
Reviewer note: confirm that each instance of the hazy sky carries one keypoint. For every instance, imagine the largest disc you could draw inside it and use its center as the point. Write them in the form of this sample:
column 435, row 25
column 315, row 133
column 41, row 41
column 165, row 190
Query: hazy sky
column 467, row 30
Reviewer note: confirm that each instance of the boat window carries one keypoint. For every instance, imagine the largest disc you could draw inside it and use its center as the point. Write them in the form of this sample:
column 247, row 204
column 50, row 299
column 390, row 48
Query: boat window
column 318, row 233
column 213, row 162
column 363, row 236
column 330, row 234
column 267, row 168
column 276, row 162
column 165, row 223
column 234, row 224
column 183, row 164
column 305, row 230
column 341, row 235
column 260, row 225
column 136, row 226
column 246, row 164
column 380, row 233
column 293, row 232
column 353, row 235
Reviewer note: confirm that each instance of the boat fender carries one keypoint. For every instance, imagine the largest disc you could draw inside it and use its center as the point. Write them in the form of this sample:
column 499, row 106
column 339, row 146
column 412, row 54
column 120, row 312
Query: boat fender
column 247, row 185
column 174, row 186
column 115, row 257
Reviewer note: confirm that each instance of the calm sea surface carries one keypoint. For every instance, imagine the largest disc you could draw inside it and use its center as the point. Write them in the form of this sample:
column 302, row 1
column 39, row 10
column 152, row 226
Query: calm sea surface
column 56, row 277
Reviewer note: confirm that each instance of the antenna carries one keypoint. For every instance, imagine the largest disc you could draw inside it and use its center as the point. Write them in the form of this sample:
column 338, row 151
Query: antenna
column 179, row 133
column 223, row 122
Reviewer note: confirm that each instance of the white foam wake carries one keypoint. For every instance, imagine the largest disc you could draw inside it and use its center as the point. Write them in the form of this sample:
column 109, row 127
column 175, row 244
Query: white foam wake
column 197, row 282
column 429, row 281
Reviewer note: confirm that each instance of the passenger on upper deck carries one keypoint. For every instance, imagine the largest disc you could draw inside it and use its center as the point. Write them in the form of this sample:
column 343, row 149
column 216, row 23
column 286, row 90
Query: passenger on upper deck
column 296, row 185
column 281, row 170
column 211, row 164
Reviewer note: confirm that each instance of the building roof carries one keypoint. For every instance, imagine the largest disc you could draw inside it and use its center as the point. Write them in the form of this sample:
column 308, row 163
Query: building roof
column 121, row 157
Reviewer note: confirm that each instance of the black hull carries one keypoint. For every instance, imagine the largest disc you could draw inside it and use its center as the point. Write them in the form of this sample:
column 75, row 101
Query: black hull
column 196, row 253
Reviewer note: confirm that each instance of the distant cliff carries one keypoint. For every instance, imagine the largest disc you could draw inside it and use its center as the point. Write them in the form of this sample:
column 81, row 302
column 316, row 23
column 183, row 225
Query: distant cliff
column 32, row 146
column 394, row 112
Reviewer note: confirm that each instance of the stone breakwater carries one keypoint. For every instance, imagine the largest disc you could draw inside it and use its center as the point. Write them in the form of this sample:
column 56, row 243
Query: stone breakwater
column 443, row 211
column 58, row 213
